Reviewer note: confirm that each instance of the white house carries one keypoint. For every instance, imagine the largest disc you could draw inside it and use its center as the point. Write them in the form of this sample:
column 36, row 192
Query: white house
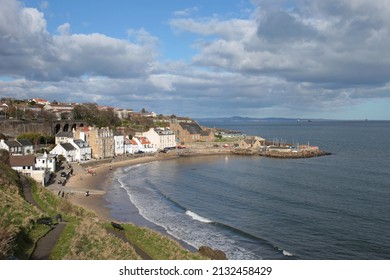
column 160, row 138
column 119, row 144
column 26, row 165
column 12, row 146
column 144, row 144
column 46, row 161
column 65, row 149
column 64, row 137
column 131, row 146
column 27, row 146
column 83, row 150
column 22, row 147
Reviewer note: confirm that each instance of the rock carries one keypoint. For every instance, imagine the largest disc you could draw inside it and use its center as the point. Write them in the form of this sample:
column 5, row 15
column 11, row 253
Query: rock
column 212, row 254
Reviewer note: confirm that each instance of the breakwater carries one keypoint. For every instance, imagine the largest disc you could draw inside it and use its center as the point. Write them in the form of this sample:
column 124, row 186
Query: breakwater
column 284, row 154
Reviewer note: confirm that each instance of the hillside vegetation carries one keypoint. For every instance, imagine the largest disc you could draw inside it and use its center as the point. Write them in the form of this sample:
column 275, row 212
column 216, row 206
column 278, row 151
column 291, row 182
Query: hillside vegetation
column 84, row 237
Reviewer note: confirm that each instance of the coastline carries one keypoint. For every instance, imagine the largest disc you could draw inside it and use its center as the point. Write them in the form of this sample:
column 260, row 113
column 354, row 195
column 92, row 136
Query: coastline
column 99, row 186
column 97, row 176
column 82, row 181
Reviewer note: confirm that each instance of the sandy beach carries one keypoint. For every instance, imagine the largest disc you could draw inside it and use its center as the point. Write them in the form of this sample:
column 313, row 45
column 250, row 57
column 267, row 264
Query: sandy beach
column 98, row 184
column 82, row 181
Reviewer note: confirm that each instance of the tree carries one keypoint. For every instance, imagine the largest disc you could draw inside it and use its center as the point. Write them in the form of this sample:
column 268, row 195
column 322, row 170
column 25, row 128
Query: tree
column 61, row 159
column 90, row 113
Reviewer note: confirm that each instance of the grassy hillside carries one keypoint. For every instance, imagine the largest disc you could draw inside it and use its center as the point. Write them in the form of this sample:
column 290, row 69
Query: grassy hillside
column 84, row 237
column 18, row 231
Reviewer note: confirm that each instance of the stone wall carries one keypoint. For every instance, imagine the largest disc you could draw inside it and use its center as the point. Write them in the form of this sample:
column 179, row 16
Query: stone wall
column 15, row 127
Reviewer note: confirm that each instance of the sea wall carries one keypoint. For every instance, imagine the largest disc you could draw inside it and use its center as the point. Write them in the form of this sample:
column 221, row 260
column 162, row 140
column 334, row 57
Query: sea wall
column 297, row 154
column 277, row 154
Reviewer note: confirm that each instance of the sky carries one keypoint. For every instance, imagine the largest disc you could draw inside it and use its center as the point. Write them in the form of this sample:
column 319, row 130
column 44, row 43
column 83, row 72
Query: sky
column 252, row 58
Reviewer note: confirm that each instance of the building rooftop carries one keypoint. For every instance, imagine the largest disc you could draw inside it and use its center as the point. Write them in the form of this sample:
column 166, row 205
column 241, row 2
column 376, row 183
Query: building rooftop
column 192, row 128
column 68, row 146
column 13, row 143
column 18, row 161
column 25, row 142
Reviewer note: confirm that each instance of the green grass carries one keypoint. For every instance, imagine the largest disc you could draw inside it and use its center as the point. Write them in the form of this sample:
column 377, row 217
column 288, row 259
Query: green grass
column 84, row 236
column 158, row 246
column 18, row 216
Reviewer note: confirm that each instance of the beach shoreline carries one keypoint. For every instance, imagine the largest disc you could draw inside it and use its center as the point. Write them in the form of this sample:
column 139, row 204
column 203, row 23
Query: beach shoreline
column 92, row 177
column 95, row 178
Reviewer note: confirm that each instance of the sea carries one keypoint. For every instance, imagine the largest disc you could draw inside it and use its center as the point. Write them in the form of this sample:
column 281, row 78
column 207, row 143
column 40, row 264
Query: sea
column 334, row 207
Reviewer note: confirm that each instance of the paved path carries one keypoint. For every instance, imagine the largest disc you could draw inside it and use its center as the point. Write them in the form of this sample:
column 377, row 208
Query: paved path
column 45, row 245
column 27, row 193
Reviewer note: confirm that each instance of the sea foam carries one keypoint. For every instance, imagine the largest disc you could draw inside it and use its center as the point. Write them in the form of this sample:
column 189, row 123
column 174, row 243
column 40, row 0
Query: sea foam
column 286, row 253
column 198, row 217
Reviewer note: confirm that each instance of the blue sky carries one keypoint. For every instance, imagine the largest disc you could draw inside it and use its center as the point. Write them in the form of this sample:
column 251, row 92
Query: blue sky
column 255, row 58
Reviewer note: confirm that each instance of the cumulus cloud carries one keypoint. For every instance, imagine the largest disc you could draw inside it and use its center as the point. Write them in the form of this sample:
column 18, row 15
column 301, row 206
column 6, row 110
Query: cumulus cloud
column 316, row 55
column 344, row 43
column 28, row 50
column 323, row 52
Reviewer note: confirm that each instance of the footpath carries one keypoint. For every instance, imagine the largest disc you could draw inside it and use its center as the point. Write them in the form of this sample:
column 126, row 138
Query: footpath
column 46, row 243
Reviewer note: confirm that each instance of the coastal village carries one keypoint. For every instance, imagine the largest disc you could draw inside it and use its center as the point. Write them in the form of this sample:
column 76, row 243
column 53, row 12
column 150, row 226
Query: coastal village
column 77, row 141
column 70, row 150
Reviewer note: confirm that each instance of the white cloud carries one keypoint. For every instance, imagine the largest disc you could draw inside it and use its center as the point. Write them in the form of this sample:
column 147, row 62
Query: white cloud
column 186, row 12
column 332, row 45
column 316, row 56
column 28, row 50
column 64, row 29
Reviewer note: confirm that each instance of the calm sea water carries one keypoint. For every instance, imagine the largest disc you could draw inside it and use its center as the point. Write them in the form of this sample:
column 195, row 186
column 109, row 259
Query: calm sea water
column 332, row 207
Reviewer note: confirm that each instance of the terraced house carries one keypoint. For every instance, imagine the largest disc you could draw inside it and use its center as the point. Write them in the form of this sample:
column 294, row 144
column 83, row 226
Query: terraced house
column 101, row 141
column 160, row 138
column 17, row 147
column 190, row 132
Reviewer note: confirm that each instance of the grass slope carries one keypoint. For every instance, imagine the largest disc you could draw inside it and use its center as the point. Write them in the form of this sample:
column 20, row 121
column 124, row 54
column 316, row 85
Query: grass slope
column 84, row 237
